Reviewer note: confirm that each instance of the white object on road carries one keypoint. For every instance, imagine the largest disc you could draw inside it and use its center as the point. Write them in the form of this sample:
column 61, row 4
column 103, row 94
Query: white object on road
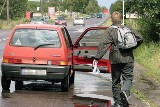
column 95, row 67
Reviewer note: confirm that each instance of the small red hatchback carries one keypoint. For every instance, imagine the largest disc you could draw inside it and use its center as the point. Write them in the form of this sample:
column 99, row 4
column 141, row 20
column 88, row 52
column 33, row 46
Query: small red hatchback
column 45, row 52
column 61, row 21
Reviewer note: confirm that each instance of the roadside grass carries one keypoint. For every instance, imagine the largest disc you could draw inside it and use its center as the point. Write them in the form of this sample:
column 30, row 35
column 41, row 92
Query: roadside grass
column 9, row 25
column 143, row 97
column 148, row 55
column 108, row 22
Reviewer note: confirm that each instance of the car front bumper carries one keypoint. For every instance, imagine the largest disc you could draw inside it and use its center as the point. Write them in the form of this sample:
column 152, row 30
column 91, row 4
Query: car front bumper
column 53, row 73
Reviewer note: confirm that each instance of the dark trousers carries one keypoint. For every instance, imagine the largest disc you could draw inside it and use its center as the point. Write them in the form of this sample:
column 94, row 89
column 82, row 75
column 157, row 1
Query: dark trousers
column 122, row 77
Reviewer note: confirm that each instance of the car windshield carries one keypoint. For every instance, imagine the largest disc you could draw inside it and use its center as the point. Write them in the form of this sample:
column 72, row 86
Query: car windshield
column 35, row 37
column 37, row 19
column 78, row 18
column 61, row 18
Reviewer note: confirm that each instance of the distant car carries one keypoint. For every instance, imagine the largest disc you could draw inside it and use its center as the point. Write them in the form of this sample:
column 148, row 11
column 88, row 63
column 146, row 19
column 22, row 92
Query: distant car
column 46, row 18
column 92, row 15
column 38, row 20
column 99, row 15
column 88, row 17
column 61, row 21
column 78, row 21
column 45, row 52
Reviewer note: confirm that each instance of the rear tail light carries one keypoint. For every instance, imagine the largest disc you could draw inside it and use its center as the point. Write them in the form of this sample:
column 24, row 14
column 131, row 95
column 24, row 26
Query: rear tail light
column 63, row 63
column 5, row 60
column 57, row 62
column 11, row 60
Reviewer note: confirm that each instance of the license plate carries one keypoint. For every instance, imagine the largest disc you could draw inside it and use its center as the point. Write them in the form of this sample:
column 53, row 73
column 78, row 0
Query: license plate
column 33, row 72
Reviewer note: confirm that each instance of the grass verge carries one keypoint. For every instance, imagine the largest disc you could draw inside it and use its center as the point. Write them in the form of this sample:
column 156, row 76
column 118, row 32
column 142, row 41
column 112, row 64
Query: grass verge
column 5, row 25
column 143, row 97
column 148, row 55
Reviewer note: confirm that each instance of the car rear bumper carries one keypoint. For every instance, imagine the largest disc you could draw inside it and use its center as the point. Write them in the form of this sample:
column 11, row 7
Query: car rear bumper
column 60, row 23
column 53, row 73
column 78, row 23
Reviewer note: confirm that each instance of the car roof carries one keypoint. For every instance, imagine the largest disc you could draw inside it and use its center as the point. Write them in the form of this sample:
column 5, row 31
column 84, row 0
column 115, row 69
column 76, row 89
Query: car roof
column 38, row 26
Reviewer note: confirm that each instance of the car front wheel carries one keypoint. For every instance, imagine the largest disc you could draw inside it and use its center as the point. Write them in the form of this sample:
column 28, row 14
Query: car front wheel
column 5, row 82
column 65, row 84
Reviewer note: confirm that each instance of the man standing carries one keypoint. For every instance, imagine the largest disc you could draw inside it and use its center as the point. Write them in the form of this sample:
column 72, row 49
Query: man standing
column 122, row 62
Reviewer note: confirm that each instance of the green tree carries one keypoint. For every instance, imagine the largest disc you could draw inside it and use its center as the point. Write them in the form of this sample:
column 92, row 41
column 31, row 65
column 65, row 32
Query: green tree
column 117, row 6
column 32, row 6
column 75, row 5
column 18, row 9
column 3, row 9
column 149, row 12
column 92, row 7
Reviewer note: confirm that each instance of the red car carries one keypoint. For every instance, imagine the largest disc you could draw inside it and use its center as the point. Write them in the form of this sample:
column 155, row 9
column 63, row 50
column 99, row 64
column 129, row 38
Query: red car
column 61, row 21
column 45, row 52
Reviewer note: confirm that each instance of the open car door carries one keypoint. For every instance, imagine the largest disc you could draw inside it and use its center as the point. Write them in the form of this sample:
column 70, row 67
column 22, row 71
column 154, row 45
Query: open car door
column 85, row 49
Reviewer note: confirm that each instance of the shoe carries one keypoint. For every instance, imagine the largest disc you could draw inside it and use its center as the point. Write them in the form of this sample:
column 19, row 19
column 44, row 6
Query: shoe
column 124, row 99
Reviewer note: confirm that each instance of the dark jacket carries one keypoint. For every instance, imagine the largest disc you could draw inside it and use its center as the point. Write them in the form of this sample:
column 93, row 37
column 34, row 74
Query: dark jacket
column 116, row 55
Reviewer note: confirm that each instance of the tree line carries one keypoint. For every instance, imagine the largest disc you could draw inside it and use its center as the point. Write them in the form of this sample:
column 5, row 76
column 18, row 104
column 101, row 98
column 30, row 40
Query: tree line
column 149, row 16
column 18, row 8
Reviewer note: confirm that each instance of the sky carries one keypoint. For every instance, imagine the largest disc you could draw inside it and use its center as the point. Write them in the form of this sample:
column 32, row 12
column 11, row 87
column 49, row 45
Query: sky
column 106, row 3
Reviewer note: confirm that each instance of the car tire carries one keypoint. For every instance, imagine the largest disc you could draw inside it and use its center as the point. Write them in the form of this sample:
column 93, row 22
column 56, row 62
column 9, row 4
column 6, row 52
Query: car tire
column 18, row 85
column 5, row 83
column 65, row 83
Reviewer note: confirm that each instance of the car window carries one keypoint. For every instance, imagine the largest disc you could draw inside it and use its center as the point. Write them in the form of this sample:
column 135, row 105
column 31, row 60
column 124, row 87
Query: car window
column 66, row 35
column 92, row 38
column 38, row 19
column 35, row 37
column 78, row 18
column 61, row 18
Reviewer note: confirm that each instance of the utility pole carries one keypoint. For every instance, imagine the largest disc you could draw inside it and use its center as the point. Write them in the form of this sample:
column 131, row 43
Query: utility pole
column 7, row 10
column 123, row 13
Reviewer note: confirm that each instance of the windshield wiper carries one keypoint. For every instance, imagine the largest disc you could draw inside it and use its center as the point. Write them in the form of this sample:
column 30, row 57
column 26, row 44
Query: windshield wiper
column 42, row 45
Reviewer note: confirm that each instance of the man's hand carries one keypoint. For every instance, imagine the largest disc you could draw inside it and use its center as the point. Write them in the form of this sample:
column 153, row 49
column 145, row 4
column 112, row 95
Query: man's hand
column 95, row 62
column 95, row 69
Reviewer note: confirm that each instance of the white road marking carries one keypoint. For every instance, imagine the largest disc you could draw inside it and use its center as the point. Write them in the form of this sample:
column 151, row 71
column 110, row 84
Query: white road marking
column 79, row 30
column 3, row 38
